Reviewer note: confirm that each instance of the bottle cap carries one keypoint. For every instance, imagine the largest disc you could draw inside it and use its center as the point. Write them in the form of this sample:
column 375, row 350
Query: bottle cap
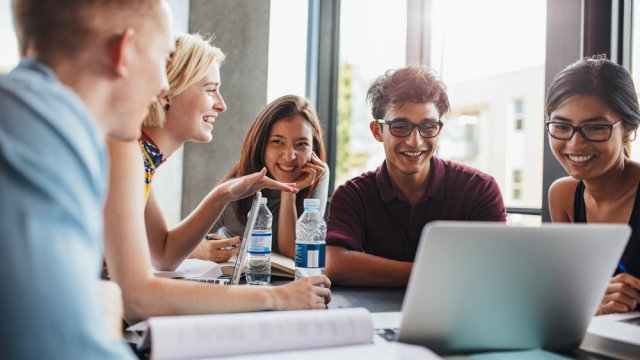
column 262, row 200
column 312, row 203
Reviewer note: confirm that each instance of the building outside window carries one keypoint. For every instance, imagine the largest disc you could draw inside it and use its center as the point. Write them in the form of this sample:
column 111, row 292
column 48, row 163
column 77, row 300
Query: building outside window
column 372, row 40
column 495, row 72
column 518, row 114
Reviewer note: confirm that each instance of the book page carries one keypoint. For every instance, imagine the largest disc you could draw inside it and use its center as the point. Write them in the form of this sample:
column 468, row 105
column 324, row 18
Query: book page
column 620, row 327
column 175, row 337
column 388, row 351
column 193, row 269
column 282, row 266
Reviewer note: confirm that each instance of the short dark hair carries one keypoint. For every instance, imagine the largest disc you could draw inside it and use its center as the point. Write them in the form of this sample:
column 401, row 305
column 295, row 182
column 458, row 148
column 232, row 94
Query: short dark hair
column 51, row 27
column 411, row 84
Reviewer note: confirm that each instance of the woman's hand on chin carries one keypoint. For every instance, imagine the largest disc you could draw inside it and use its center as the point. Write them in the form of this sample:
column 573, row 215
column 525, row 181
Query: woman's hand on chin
column 312, row 172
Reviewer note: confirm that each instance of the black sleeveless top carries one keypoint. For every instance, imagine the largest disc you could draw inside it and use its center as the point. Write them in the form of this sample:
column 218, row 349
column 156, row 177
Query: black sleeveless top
column 631, row 255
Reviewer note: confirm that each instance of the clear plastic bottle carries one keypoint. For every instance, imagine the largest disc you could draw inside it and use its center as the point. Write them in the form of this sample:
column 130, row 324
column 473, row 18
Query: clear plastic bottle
column 311, row 237
column 259, row 253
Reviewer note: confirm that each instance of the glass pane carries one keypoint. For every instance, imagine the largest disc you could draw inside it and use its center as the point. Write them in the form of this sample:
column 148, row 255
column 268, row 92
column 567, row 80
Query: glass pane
column 524, row 220
column 372, row 40
column 495, row 79
column 8, row 42
column 287, row 73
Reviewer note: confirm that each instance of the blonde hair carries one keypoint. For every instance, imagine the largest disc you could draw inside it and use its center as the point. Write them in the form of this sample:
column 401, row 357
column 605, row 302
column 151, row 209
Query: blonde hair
column 193, row 58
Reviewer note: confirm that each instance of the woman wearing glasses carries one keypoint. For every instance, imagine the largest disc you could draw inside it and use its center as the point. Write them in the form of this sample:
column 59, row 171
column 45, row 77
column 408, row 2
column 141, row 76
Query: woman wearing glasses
column 592, row 115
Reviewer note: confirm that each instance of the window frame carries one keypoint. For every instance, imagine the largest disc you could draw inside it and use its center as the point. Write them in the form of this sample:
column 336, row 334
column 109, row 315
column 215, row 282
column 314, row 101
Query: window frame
column 575, row 29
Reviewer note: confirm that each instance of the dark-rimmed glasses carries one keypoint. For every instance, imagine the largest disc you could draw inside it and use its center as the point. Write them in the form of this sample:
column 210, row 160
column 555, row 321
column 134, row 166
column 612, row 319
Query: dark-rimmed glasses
column 401, row 128
column 590, row 132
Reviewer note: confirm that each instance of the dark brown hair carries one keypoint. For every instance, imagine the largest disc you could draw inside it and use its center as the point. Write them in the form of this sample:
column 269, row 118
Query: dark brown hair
column 252, row 152
column 410, row 84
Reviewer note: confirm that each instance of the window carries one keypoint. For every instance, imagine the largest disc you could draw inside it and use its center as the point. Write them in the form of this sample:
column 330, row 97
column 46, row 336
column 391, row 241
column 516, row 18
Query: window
column 491, row 73
column 372, row 41
column 459, row 141
column 518, row 114
column 287, row 68
column 516, row 185
column 8, row 43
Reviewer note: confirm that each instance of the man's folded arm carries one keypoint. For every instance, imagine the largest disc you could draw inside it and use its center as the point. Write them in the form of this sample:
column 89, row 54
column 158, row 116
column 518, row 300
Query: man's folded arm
column 356, row 268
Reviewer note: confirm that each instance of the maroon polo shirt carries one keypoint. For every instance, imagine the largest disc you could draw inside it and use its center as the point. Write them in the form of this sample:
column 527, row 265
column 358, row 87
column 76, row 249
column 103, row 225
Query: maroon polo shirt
column 367, row 214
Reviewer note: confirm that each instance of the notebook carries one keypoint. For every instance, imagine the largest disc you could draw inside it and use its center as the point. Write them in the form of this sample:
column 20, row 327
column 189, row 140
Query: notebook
column 490, row 286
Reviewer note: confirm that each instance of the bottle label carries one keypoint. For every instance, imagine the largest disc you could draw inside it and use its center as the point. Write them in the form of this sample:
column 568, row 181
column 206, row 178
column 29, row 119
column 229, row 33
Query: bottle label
column 260, row 243
column 310, row 255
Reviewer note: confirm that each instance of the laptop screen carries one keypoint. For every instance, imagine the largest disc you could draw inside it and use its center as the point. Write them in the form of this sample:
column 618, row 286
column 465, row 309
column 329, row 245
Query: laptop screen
column 242, row 254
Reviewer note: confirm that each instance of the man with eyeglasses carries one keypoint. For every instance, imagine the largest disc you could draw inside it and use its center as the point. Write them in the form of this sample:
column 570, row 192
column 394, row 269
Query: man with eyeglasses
column 376, row 219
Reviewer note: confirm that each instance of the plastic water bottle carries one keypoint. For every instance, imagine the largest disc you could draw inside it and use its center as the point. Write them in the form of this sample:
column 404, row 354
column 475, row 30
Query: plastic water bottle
column 259, row 254
column 311, row 240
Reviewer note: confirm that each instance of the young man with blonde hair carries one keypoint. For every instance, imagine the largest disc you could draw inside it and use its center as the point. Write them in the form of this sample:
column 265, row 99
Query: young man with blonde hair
column 90, row 68
column 376, row 219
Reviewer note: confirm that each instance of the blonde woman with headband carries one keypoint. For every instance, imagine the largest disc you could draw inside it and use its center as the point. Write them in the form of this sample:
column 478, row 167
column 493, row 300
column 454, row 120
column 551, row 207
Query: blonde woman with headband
column 132, row 214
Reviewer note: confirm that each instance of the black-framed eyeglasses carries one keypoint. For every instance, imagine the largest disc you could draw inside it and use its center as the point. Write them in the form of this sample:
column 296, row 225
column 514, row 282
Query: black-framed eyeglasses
column 401, row 128
column 590, row 132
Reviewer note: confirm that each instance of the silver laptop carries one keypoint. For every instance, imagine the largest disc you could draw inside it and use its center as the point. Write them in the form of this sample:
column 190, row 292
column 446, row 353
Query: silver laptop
column 487, row 286
column 241, row 257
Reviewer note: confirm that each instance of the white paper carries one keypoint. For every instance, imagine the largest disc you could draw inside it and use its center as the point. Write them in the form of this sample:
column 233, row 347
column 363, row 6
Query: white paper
column 612, row 327
column 390, row 351
column 193, row 269
column 201, row 336
column 610, row 335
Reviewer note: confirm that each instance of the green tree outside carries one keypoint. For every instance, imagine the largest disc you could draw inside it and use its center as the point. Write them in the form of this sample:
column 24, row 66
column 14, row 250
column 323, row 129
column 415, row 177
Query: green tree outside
column 346, row 160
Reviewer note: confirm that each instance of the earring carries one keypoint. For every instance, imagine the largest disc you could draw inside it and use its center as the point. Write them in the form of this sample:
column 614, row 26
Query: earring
column 167, row 106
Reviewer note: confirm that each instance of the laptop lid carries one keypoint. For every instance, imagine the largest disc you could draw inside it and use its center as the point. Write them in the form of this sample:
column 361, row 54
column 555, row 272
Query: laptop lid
column 489, row 286
column 242, row 254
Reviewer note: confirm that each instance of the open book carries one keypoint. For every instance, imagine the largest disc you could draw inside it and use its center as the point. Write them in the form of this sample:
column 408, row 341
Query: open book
column 281, row 266
column 615, row 335
column 336, row 332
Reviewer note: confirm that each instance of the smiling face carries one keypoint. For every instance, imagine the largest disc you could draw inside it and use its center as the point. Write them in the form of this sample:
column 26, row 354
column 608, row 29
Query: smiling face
column 288, row 148
column 584, row 159
column 410, row 155
column 193, row 111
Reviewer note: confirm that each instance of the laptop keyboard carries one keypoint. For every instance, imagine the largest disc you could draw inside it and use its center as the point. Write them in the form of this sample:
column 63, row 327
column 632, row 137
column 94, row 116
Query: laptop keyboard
column 388, row 334
column 219, row 281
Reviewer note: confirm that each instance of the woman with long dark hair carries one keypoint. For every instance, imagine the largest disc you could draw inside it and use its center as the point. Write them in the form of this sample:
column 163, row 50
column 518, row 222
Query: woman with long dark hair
column 592, row 115
column 286, row 139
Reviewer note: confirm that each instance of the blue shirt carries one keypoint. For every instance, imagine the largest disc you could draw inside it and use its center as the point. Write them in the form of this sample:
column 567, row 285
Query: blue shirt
column 53, row 173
